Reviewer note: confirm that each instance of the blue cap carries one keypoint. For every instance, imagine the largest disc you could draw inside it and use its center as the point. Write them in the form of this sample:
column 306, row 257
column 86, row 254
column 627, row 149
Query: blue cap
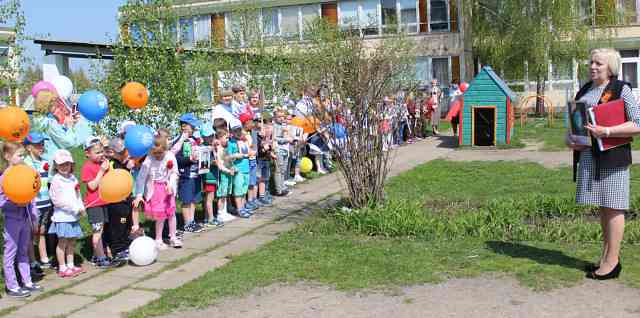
column 206, row 130
column 35, row 138
column 190, row 119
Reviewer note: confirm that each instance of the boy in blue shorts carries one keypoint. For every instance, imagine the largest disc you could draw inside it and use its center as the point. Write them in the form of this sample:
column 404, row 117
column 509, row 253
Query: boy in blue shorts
column 189, row 182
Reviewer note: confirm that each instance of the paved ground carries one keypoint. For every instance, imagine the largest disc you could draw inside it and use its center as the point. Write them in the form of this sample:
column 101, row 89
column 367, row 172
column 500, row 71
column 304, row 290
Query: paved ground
column 113, row 292
column 110, row 293
column 478, row 297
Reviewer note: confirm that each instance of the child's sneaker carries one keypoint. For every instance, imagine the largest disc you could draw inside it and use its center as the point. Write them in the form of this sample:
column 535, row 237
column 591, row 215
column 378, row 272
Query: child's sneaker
column 46, row 264
column 217, row 222
column 175, row 243
column 251, row 206
column 264, row 201
column 160, row 245
column 18, row 293
column 180, row 234
column 299, row 179
column 122, row 256
column 77, row 270
column 34, row 288
column 243, row 213
column 104, row 263
column 290, row 183
column 66, row 273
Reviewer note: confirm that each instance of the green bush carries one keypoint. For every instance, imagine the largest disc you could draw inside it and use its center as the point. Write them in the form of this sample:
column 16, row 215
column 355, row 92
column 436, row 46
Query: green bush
column 533, row 218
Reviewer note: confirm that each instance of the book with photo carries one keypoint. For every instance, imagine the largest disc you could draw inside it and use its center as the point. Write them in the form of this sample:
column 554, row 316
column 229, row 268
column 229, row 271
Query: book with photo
column 578, row 119
column 204, row 159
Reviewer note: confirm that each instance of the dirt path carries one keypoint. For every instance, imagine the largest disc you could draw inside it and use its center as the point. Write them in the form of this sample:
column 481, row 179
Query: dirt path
column 477, row 297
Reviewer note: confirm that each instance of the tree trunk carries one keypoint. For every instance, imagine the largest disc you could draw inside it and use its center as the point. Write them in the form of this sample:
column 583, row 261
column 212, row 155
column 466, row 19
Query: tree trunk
column 540, row 86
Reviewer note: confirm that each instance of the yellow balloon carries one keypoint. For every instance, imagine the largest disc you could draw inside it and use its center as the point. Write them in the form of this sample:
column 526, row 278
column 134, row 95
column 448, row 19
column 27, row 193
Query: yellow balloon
column 116, row 185
column 306, row 165
column 21, row 184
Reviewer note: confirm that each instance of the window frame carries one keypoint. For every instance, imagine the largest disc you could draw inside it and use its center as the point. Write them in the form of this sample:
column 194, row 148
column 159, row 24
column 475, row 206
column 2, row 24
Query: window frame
column 401, row 25
column 448, row 11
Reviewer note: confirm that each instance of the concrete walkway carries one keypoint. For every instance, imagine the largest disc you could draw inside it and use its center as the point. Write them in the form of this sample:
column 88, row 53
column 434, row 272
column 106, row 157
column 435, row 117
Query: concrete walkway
column 110, row 293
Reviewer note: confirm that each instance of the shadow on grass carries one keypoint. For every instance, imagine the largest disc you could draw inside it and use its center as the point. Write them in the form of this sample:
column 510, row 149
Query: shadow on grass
column 536, row 254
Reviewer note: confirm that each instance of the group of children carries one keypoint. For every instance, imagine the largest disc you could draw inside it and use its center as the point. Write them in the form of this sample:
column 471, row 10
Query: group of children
column 244, row 151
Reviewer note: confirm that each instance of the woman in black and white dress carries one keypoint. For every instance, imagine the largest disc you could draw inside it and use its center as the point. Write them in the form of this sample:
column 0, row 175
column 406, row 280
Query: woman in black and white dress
column 603, row 176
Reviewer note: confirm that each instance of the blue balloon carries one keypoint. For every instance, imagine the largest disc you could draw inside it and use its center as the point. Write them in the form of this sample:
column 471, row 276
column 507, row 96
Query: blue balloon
column 138, row 140
column 93, row 105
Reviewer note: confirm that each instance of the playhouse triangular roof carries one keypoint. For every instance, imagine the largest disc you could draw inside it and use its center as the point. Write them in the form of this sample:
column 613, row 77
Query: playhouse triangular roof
column 503, row 86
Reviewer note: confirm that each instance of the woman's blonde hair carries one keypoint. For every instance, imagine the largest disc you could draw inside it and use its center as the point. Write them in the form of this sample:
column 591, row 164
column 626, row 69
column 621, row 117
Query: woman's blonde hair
column 611, row 57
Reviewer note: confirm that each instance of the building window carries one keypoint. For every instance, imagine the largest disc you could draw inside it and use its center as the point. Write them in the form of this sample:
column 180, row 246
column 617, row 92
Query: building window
column 409, row 15
column 360, row 15
column 309, row 14
column 439, row 15
column 186, row 32
column 629, row 11
column 135, row 33
column 440, row 70
column 202, row 32
column 389, row 12
column 630, row 73
column 348, row 14
column 270, row 23
column 233, row 25
column 289, row 23
column 428, row 68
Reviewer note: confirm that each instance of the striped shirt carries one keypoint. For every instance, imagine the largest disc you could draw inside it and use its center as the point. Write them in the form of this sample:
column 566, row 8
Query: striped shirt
column 42, row 199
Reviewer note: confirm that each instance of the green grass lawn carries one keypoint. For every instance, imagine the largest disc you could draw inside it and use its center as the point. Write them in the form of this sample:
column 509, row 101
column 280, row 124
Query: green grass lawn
column 382, row 248
column 537, row 130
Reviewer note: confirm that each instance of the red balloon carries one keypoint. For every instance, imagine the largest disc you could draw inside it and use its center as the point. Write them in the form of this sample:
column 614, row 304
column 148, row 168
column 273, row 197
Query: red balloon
column 464, row 86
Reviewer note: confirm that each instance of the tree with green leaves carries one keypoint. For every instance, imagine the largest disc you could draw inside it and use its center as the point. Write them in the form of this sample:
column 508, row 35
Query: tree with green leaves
column 11, row 15
column 510, row 34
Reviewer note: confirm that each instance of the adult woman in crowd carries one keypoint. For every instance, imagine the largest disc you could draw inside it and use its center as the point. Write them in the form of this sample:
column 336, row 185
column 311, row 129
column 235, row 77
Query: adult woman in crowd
column 62, row 128
column 603, row 176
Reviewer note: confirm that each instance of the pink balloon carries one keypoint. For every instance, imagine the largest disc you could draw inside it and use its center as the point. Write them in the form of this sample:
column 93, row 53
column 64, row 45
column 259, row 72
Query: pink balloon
column 42, row 86
column 463, row 86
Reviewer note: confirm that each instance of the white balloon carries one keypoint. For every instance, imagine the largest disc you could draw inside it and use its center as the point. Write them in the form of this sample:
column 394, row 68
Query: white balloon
column 143, row 251
column 63, row 85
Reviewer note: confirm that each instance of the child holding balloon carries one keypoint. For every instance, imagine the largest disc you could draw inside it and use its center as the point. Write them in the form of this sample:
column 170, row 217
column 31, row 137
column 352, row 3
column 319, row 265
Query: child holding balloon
column 68, row 207
column 158, row 182
column 19, row 223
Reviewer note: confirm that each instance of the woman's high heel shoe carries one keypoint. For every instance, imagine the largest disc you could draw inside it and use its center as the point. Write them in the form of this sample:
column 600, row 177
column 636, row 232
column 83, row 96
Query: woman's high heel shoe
column 591, row 267
column 611, row 275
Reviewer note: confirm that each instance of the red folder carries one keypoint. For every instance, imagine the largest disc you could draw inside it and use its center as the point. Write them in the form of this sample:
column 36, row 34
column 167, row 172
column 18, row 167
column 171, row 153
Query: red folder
column 608, row 115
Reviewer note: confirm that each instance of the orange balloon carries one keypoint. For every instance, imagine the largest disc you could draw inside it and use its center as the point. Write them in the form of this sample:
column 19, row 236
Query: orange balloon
column 15, row 124
column 308, row 124
column 21, row 184
column 116, row 185
column 135, row 95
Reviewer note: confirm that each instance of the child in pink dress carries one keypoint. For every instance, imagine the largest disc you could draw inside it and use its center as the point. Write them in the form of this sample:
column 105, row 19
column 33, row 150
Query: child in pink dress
column 159, row 178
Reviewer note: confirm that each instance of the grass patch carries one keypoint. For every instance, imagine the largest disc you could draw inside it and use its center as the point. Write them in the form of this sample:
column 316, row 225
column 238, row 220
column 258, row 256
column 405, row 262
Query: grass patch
column 350, row 262
column 552, row 138
column 443, row 220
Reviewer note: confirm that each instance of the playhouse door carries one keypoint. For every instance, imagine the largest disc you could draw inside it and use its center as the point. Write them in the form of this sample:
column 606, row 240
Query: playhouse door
column 484, row 126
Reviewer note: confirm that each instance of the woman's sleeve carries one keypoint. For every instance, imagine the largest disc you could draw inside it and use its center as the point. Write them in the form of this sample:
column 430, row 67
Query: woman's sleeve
column 62, row 136
column 631, row 105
